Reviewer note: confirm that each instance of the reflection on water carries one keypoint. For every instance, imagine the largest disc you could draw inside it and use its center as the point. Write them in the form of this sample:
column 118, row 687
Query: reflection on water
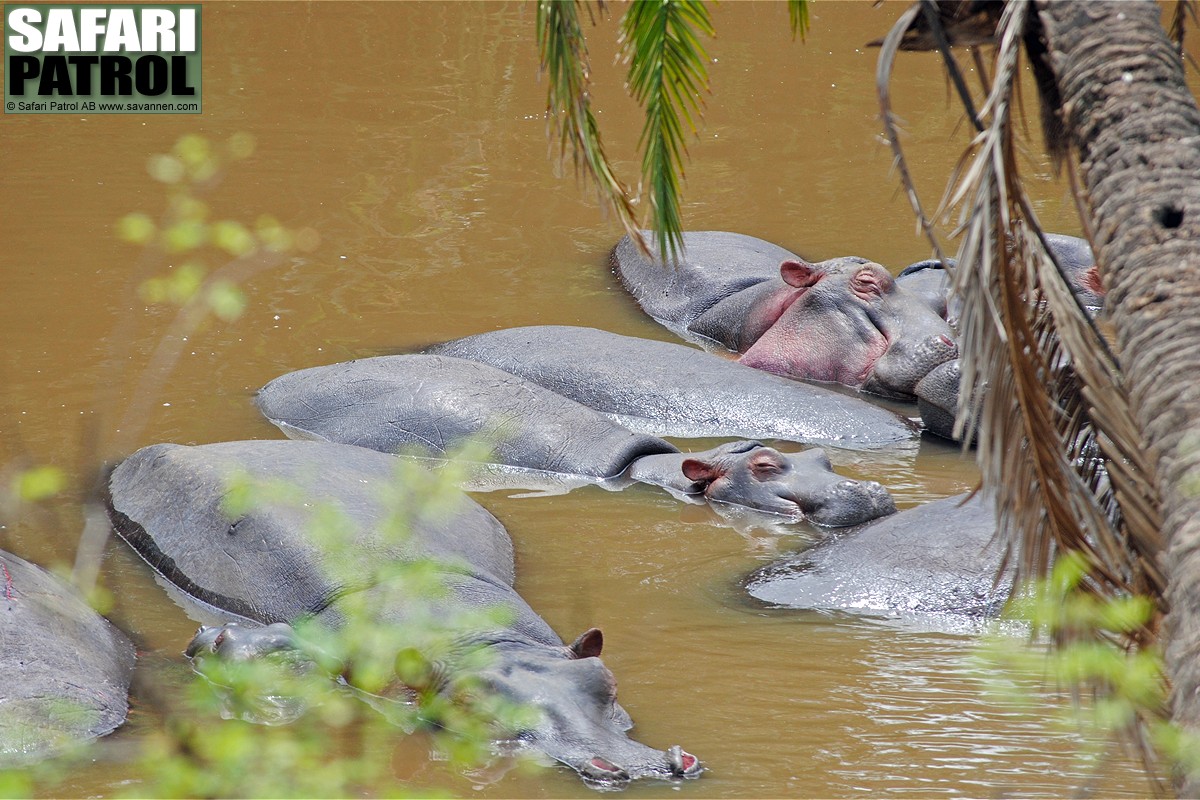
column 424, row 169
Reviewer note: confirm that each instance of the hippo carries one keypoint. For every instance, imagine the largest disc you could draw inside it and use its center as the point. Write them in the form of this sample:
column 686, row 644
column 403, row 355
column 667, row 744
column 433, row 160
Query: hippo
column 436, row 403
column 66, row 669
column 937, row 399
column 845, row 320
column 670, row 389
column 939, row 558
column 166, row 502
column 937, row 392
column 1078, row 262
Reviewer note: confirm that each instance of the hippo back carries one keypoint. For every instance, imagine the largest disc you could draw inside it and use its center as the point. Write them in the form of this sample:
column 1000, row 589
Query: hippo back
column 435, row 404
column 270, row 564
column 939, row 558
column 673, row 390
column 715, row 265
column 66, row 669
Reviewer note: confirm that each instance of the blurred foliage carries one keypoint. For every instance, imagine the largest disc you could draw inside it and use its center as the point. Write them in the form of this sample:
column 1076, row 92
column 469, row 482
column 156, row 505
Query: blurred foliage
column 332, row 711
column 1123, row 687
column 320, row 721
column 37, row 483
column 186, row 234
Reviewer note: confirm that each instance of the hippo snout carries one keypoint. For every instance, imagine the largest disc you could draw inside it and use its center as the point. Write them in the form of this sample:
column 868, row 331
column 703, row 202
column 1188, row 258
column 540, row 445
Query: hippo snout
column 903, row 366
column 678, row 764
column 850, row 503
column 937, row 398
column 682, row 763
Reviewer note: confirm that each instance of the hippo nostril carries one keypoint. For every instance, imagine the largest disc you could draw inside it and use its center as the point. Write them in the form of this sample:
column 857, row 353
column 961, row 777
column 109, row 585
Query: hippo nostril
column 601, row 769
column 683, row 764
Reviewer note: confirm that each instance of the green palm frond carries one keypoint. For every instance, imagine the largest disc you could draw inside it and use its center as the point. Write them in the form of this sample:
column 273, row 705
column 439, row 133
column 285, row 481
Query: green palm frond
column 798, row 15
column 667, row 75
column 564, row 60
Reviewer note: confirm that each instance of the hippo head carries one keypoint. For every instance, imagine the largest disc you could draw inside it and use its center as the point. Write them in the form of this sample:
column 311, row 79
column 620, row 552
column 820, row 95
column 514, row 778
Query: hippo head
column 576, row 719
column 930, row 282
column 849, row 322
column 579, row 722
column 794, row 484
column 234, row 642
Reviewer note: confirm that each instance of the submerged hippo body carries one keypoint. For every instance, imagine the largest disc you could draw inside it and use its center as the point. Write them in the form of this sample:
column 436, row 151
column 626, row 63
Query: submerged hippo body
column 165, row 500
column 1078, row 262
column 931, row 282
column 844, row 320
column 392, row 403
column 66, row 670
column 433, row 403
column 672, row 390
column 938, row 558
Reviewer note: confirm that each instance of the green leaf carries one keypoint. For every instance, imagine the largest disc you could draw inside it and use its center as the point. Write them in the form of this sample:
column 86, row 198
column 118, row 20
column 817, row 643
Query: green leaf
column 136, row 228
column 226, row 300
column 39, row 483
column 166, row 169
column 241, row 145
column 183, row 282
column 1125, row 614
column 193, row 149
column 274, row 236
column 242, row 495
column 564, row 60
column 233, row 238
column 185, row 235
column 798, row 16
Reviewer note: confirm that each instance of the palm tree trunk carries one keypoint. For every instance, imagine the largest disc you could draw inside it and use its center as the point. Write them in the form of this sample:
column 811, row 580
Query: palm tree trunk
column 1128, row 115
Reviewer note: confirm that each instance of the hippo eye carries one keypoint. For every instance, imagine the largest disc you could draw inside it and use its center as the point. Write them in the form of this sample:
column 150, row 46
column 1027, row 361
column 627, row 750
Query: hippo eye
column 871, row 281
column 766, row 468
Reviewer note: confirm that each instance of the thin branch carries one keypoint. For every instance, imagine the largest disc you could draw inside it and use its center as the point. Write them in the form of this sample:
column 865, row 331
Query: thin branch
column 883, row 78
column 930, row 13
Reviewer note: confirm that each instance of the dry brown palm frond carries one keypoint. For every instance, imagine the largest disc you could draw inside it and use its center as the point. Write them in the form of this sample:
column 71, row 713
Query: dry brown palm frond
column 1056, row 440
column 962, row 23
column 1183, row 11
column 1056, row 443
column 891, row 130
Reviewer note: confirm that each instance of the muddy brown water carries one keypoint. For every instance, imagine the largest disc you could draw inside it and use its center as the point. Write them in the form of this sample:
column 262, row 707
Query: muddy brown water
column 411, row 138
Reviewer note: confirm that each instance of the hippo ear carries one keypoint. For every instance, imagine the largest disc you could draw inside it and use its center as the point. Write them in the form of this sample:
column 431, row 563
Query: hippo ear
column 798, row 273
column 588, row 645
column 698, row 471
